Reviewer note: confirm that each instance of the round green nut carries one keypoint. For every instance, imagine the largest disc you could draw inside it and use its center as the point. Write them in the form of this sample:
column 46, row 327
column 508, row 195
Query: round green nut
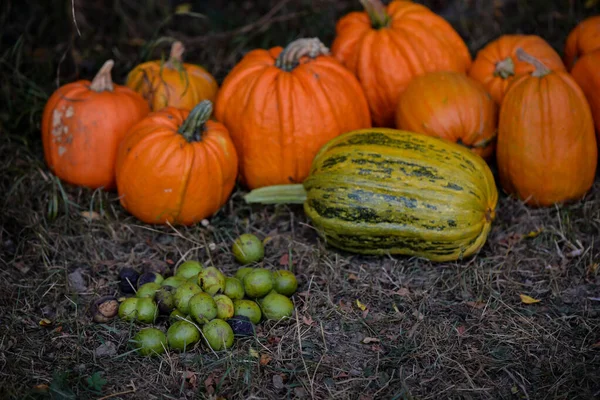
column 202, row 307
column 128, row 309
column 189, row 269
column 258, row 283
column 225, row 306
column 148, row 290
column 182, row 336
column 183, row 294
column 234, row 288
column 212, row 281
column 247, row 308
column 242, row 272
column 165, row 300
column 176, row 315
column 285, row 282
column 247, row 249
column 218, row 334
column 147, row 310
column 150, row 342
column 173, row 281
column 276, row 306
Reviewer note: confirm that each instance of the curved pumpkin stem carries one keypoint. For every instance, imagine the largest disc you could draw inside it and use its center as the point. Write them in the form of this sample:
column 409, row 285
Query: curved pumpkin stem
column 176, row 55
column 103, row 80
column 290, row 56
column 540, row 69
column 192, row 127
column 505, row 68
column 377, row 13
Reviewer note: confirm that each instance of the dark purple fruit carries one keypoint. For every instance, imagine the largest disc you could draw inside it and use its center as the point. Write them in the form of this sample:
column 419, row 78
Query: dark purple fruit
column 148, row 277
column 241, row 325
column 128, row 278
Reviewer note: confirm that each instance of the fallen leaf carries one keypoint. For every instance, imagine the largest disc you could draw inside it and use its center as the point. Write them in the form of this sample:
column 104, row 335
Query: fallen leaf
column 90, row 215
column 360, row 305
column 341, row 375
column 45, row 322
column 574, row 253
column 284, row 259
column 41, row 388
column 278, row 382
column 365, row 313
column 475, row 304
column 533, row 234
column 106, row 349
column 352, row 277
column 253, row 353
column 395, row 307
column 307, row 320
column 22, row 267
column 368, row 340
column 209, row 384
column 169, row 261
column 404, row 292
column 418, row 315
column 528, row 300
column 265, row 359
column 461, row 330
column 76, row 281
column 596, row 345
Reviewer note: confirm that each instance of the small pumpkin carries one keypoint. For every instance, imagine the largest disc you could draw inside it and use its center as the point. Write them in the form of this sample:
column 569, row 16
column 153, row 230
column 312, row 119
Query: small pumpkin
column 583, row 39
column 282, row 105
column 451, row 106
column 496, row 65
column 83, row 123
column 176, row 166
column 173, row 83
column 587, row 74
column 547, row 151
column 386, row 47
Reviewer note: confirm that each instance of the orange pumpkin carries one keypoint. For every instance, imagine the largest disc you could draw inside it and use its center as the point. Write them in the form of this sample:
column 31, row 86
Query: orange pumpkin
column 82, row 125
column 496, row 65
column 176, row 166
column 282, row 105
column 587, row 74
column 547, row 150
column 173, row 83
column 387, row 47
column 452, row 106
column 583, row 39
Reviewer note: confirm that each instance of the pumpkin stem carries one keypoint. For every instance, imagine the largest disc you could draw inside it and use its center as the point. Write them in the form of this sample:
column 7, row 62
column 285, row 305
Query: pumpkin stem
column 505, row 68
column 103, row 80
column 540, row 69
column 377, row 13
column 176, row 56
column 192, row 127
column 290, row 56
column 277, row 194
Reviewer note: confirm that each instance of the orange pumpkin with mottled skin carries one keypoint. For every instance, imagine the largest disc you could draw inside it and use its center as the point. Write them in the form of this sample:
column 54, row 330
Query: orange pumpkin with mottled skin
column 82, row 125
column 282, row 105
column 173, row 83
column 386, row 47
column 547, row 151
column 496, row 65
column 176, row 166
column 451, row 106
column 583, row 39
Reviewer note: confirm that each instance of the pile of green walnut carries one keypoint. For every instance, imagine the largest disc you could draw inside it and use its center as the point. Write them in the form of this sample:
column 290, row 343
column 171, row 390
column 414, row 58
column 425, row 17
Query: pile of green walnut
column 203, row 304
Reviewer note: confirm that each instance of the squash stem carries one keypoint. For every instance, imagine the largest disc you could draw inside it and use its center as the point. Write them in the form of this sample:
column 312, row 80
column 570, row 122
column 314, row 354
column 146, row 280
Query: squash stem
column 193, row 126
column 103, row 80
column 377, row 13
column 505, row 68
column 290, row 56
column 540, row 69
column 277, row 194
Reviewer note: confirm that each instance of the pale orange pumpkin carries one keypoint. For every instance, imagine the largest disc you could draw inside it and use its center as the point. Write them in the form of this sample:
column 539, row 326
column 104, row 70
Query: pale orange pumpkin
column 176, row 166
column 82, row 125
column 587, row 74
column 547, row 151
column 173, row 83
column 583, row 39
column 386, row 47
column 452, row 106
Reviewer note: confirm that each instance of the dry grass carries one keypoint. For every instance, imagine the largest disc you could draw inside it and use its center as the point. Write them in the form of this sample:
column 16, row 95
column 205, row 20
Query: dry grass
column 431, row 331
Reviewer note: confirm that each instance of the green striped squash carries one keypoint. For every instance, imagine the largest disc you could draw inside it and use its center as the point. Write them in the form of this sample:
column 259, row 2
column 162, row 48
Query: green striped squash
column 386, row 191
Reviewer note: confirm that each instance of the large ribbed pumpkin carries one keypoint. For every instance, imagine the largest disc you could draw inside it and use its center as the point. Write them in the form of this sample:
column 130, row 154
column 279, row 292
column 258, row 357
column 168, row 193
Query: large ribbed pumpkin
column 282, row 105
column 173, row 83
column 547, row 150
column 176, row 166
column 496, row 65
column 583, row 39
column 452, row 106
column 82, row 125
column 587, row 74
column 386, row 191
column 387, row 47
